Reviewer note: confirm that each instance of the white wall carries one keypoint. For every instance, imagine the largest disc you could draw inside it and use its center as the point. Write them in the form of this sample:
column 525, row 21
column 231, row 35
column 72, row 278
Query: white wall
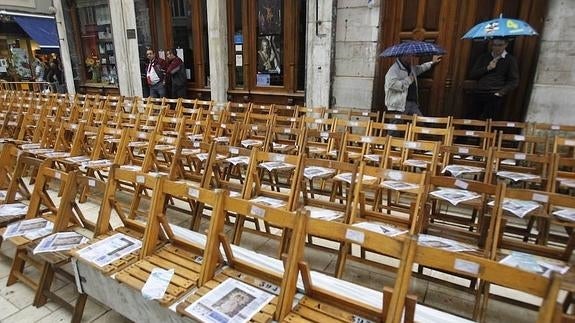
column 553, row 96
column 319, row 46
column 355, row 52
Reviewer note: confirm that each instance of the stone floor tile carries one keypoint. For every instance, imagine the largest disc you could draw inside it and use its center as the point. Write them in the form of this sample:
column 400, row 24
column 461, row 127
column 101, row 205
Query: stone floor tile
column 18, row 294
column 6, row 308
column 29, row 314
column 111, row 317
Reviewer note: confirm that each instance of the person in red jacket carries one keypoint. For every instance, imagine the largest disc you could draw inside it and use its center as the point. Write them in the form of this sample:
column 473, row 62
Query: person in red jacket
column 156, row 75
column 176, row 73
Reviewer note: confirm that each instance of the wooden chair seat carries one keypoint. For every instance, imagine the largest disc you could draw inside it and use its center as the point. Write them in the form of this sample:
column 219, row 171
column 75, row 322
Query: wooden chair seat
column 185, row 264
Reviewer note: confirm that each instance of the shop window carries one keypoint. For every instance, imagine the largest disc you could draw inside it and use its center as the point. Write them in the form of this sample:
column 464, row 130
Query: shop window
column 93, row 22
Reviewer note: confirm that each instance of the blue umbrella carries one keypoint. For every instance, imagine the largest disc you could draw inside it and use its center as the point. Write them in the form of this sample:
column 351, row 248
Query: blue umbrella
column 500, row 27
column 418, row 48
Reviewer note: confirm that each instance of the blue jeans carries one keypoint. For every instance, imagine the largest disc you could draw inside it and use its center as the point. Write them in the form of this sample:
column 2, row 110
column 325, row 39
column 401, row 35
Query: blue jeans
column 158, row 90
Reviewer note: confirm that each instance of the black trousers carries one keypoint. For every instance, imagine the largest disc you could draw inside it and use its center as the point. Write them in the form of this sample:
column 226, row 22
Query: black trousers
column 485, row 106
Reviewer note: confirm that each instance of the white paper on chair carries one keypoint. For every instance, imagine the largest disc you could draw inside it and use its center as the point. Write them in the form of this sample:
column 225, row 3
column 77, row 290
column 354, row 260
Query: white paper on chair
column 534, row 264
column 312, row 172
column 277, row 146
column 382, row 228
column 456, row 170
column 518, row 207
column 398, row 185
column 415, row 163
column 442, row 243
column 41, row 151
column 29, row 146
column 78, row 159
column 239, row 160
column 567, row 182
column 31, row 229
column 346, row 177
column 60, row 241
column 372, row 157
column 222, row 139
column 273, row 165
column 323, row 214
column 454, row 196
column 231, row 301
column 157, row 283
column 251, row 142
column 56, row 154
column 565, row 214
column 514, row 176
column 268, row 201
column 196, row 137
column 13, row 209
column 97, row 163
column 110, row 249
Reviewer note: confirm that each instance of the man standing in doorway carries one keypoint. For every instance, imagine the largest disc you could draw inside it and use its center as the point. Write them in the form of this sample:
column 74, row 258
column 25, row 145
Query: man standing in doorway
column 155, row 75
column 497, row 74
column 401, row 84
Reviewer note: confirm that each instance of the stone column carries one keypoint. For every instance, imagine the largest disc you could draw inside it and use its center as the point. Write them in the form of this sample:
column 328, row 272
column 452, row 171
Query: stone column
column 218, row 49
column 64, row 49
column 127, row 57
column 320, row 47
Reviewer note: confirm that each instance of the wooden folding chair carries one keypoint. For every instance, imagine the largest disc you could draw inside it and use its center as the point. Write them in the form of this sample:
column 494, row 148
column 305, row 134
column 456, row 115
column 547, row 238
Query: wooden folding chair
column 276, row 166
column 188, row 257
column 393, row 197
column 241, row 266
column 331, row 299
column 467, row 162
column 490, row 272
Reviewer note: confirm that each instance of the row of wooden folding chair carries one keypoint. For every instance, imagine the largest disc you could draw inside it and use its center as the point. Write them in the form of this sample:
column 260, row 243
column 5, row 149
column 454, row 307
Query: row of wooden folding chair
column 318, row 293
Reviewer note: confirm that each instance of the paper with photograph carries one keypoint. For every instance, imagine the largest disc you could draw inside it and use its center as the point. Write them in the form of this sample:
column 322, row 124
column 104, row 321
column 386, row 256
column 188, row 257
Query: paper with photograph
column 231, row 301
column 60, row 241
column 13, row 209
column 110, row 249
column 382, row 228
column 454, row 196
column 251, row 143
column 31, row 229
column 534, row 264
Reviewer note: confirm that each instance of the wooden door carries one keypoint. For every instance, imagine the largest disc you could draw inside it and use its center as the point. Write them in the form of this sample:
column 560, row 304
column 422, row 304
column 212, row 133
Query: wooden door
column 446, row 90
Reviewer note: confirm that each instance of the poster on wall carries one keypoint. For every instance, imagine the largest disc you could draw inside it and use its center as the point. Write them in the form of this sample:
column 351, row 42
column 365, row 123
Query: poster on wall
column 21, row 62
column 268, row 55
column 269, row 17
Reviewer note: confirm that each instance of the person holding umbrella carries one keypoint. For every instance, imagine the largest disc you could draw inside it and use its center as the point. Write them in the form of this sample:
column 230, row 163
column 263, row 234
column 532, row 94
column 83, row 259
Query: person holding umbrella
column 497, row 73
column 401, row 78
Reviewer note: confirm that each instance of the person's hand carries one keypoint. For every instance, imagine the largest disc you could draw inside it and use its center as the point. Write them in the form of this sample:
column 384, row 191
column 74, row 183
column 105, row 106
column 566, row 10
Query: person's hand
column 492, row 64
column 436, row 59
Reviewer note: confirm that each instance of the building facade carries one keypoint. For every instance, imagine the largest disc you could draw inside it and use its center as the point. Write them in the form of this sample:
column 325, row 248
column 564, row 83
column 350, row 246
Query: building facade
column 314, row 53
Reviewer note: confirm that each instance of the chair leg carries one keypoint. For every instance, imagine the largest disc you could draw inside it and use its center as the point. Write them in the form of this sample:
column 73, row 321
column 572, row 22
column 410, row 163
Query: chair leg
column 44, row 285
column 17, row 267
column 79, row 308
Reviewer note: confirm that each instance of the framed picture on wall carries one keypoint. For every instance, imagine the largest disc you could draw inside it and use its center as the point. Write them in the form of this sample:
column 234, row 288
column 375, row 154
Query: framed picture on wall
column 269, row 17
column 269, row 58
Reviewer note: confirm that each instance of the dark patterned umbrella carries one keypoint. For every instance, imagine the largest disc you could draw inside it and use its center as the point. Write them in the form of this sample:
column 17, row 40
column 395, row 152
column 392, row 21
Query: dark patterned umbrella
column 418, row 48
